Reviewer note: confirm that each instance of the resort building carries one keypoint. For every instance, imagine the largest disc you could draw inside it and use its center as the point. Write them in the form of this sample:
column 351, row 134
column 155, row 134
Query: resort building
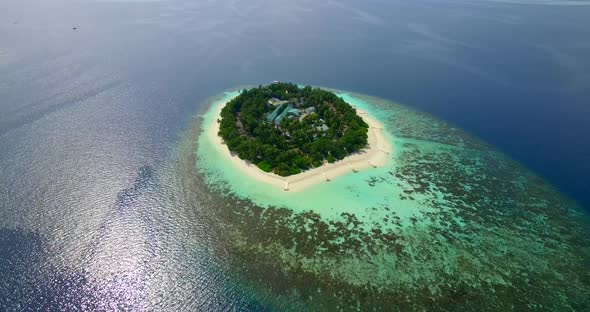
column 290, row 111
column 271, row 117
column 276, row 102
column 283, row 110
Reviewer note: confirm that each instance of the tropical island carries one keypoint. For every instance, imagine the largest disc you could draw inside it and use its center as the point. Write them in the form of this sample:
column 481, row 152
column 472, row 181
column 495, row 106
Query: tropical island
column 292, row 137
column 285, row 129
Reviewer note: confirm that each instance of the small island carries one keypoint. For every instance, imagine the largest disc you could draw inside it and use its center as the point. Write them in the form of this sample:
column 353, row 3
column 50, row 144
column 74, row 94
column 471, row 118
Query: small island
column 285, row 129
column 291, row 137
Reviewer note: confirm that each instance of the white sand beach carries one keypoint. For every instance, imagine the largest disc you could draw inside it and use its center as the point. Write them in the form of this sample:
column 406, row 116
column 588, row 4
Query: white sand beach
column 375, row 155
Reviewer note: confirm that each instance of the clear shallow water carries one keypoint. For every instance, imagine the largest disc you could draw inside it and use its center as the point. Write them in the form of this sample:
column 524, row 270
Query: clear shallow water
column 84, row 114
column 345, row 194
column 450, row 219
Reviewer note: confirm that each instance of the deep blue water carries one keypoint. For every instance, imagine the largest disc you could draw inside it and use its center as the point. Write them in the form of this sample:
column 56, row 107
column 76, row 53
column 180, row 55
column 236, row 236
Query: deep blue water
column 83, row 111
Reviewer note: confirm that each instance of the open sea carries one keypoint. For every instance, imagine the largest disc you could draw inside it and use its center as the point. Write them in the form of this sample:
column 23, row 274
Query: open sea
column 110, row 201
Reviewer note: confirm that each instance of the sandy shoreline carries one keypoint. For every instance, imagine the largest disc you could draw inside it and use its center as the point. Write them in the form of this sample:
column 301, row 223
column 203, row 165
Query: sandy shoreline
column 375, row 155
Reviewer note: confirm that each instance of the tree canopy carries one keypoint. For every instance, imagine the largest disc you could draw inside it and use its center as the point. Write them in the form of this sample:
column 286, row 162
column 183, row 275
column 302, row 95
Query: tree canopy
column 328, row 132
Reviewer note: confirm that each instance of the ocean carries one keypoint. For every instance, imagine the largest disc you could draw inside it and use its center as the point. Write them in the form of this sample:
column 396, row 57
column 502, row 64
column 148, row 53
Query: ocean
column 99, row 98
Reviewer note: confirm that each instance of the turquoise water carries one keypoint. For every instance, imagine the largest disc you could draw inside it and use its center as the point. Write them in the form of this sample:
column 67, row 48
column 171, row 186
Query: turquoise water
column 344, row 194
column 449, row 219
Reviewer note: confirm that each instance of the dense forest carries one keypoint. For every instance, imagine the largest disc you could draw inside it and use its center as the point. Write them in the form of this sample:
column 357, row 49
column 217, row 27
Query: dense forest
column 328, row 130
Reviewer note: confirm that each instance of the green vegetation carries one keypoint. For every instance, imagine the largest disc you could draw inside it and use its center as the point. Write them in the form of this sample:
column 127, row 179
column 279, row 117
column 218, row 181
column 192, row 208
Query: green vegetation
column 309, row 126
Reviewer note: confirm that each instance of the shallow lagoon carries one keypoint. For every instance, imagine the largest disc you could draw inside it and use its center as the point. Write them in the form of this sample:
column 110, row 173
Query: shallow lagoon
column 449, row 220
